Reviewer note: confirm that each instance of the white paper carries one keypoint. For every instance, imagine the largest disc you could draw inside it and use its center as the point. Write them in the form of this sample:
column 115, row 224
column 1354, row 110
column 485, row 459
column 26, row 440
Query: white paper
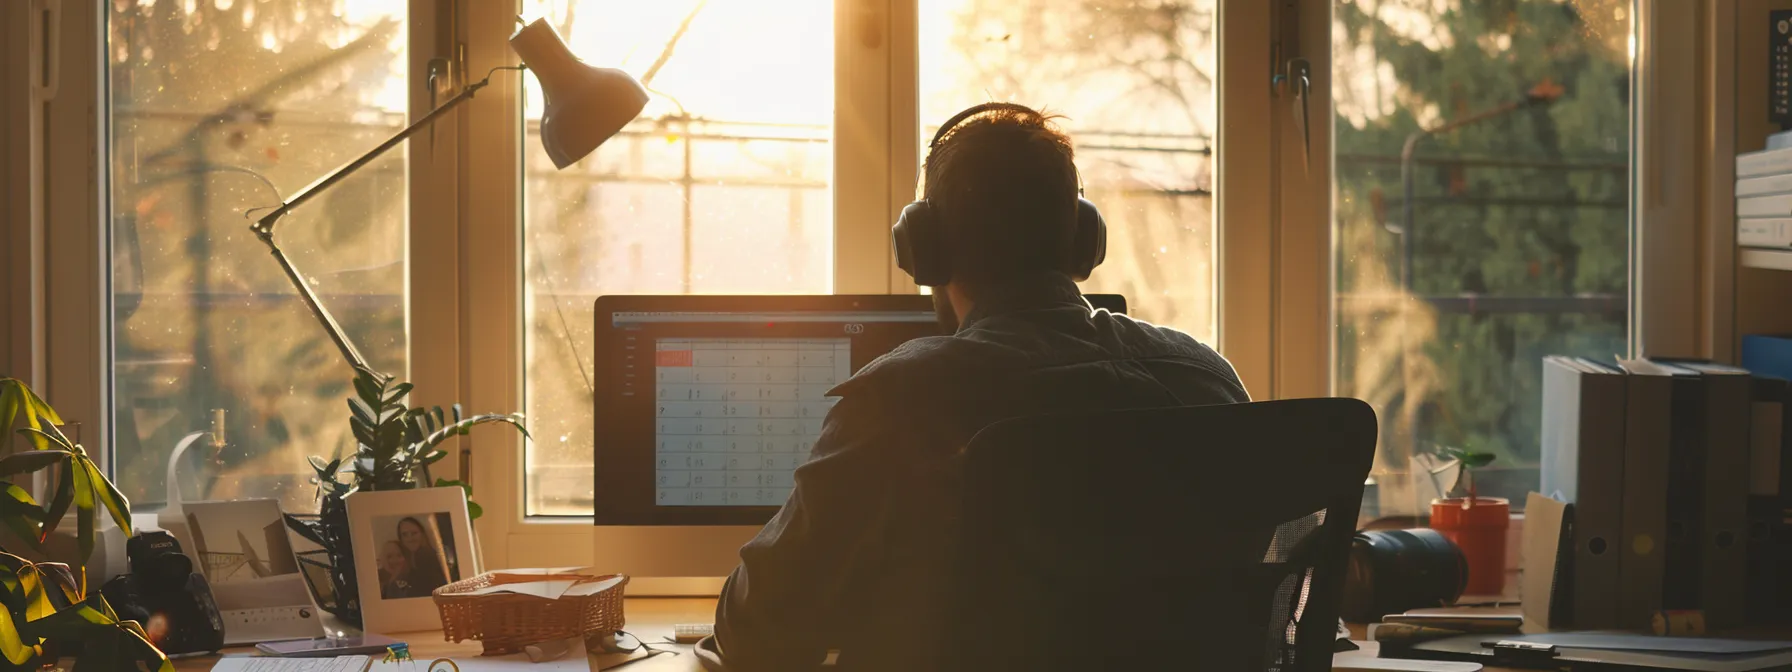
column 573, row 661
column 271, row 664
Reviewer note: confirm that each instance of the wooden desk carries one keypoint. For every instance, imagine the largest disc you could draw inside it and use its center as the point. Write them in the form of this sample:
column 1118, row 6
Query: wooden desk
column 649, row 618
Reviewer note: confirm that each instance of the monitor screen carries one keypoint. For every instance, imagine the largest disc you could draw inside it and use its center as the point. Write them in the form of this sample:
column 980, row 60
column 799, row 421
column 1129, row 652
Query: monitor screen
column 706, row 405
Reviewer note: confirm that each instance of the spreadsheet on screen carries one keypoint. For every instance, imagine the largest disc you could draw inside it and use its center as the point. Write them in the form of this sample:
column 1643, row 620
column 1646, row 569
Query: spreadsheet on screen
column 735, row 416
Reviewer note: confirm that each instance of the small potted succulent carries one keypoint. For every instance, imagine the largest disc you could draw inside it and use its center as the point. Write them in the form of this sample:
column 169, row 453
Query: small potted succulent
column 395, row 445
column 1476, row 524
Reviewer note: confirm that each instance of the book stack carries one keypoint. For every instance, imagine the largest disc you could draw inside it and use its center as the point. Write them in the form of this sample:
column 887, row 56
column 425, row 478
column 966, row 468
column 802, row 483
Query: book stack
column 1764, row 195
column 1676, row 473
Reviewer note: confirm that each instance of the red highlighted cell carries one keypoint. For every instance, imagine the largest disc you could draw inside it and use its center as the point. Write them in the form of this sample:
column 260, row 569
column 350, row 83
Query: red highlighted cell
column 672, row 358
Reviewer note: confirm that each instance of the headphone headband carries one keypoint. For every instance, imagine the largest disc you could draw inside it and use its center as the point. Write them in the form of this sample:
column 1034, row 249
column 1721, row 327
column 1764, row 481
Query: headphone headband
column 973, row 111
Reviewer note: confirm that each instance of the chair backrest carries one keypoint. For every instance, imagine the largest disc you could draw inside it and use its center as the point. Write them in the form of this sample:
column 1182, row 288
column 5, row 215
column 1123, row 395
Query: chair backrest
column 1209, row 537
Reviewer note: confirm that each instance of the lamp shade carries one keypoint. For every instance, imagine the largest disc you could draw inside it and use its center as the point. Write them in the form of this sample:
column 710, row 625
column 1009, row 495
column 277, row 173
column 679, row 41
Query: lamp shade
column 584, row 105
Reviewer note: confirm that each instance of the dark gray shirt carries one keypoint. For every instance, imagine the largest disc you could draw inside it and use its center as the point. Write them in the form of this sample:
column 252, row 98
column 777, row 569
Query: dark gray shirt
column 854, row 560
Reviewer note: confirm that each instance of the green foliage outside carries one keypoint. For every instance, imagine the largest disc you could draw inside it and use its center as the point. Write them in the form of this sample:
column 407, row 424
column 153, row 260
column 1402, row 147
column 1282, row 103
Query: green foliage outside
column 1551, row 222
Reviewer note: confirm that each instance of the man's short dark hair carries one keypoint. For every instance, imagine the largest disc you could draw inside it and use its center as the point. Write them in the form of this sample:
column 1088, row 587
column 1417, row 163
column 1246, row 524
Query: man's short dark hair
column 1005, row 184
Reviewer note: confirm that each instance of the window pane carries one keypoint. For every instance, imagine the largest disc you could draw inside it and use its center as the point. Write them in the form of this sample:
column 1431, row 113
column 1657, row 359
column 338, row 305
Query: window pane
column 216, row 107
column 720, row 187
column 1508, row 242
column 1135, row 83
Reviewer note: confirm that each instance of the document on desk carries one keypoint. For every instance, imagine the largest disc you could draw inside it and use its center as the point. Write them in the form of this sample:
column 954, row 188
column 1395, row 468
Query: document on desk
column 273, row 664
column 574, row 661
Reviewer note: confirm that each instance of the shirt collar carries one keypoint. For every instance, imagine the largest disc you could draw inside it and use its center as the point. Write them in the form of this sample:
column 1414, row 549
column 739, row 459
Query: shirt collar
column 1035, row 291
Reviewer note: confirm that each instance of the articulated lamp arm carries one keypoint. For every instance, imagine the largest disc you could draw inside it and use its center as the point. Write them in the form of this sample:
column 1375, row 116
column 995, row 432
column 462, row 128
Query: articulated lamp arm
column 264, row 228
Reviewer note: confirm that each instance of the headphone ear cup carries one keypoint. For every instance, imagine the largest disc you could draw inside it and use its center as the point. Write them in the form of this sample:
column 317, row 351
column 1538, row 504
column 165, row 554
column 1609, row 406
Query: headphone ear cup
column 920, row 245
column 1091, row 245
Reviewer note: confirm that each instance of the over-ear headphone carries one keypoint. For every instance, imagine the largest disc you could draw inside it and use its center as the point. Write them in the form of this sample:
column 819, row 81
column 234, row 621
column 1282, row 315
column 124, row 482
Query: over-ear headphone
column 919, row 235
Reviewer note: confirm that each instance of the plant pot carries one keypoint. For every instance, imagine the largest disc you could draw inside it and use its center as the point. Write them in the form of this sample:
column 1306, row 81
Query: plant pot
column 1478, row 527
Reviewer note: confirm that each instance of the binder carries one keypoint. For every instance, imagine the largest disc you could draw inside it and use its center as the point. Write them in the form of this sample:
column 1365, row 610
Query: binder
column 1763, row 185
column 1583, row 465
column 1771, row 205
column 1769, row 548
column 1728, row 415
column 1769, row 443
column 1764, row 232
column 1648, row 425
column 1682, row 560
column 1763, row 162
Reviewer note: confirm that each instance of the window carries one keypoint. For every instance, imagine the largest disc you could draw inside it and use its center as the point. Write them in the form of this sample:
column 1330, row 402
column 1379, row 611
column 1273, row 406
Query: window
column 721, row 186
column 217, row 107
column 1136, row 85
column 1482, row 177
column 771, row 158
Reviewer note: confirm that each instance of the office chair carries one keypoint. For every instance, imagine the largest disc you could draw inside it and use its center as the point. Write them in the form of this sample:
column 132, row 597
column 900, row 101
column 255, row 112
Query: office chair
column 1191, row 538
column 1209, row 537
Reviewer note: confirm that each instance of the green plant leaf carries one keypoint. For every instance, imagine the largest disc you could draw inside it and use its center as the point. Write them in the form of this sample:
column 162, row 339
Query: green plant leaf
column 107, row 495
column 363, row 412
column 37, row 594
column 12, row 402
column 84, row 513
column 12, row 646
column 59, row 503
column 21, row 514
column 44, row 440
column 367, row 390
column 38, row 406
column 26, row 461
column 304, row 529
column 396, row 392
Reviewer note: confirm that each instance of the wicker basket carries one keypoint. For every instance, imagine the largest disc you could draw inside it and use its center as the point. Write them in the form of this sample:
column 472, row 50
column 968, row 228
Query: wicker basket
column 506, row 622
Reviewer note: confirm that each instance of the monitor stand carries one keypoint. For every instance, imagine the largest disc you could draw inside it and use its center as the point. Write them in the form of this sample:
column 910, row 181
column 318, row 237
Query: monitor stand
column 670, row 561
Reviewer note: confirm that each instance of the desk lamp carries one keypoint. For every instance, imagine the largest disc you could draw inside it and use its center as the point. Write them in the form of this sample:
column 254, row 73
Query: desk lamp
column 585, row 105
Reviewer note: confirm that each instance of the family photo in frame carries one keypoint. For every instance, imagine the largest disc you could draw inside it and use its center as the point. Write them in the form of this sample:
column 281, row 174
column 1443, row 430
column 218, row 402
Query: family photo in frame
column 407, row 544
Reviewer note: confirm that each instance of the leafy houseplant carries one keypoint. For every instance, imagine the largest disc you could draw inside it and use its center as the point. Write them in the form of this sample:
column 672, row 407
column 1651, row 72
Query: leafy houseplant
column 1467, row 461
column 45, row 609
column 395, row 446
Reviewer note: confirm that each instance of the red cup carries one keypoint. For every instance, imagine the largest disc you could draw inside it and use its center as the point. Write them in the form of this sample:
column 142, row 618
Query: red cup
column 1478, row 527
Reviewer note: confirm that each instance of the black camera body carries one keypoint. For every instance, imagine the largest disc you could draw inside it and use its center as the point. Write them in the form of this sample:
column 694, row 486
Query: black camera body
column 163, row 593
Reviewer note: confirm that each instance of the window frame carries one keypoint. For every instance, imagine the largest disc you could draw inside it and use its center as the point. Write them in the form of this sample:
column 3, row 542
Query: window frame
column 1274, row 267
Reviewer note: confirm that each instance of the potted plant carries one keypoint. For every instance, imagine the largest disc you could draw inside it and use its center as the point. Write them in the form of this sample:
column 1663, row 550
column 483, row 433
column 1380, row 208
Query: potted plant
column 1476, row 524
column 46, row 610
column 395, row 446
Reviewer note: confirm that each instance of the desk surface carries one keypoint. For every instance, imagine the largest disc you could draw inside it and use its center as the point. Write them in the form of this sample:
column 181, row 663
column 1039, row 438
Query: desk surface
column 649, row 618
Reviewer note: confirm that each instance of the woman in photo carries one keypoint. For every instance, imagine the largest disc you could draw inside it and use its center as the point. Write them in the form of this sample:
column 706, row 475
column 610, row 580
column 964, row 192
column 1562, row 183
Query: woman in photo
column 395, row 573
column 427, row 572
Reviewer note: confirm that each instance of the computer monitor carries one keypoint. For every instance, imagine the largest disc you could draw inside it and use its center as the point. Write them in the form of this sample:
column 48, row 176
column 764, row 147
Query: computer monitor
column 706, row 405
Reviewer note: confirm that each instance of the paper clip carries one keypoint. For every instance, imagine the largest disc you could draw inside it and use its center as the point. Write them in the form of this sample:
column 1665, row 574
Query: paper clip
column 398, row 653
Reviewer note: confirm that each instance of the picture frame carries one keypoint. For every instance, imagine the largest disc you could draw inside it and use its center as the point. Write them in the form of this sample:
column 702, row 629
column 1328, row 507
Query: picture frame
column 407, row 543
column 251, row 562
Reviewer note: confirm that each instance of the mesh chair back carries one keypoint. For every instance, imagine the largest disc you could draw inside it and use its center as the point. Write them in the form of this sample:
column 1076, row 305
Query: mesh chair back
column 1209, row 537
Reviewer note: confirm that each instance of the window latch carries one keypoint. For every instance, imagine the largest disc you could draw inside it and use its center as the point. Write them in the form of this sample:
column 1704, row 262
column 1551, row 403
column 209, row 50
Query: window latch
column 1300, row 82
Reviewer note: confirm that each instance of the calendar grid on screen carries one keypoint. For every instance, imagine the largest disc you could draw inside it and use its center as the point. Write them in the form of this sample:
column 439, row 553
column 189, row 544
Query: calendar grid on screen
column 735, row 417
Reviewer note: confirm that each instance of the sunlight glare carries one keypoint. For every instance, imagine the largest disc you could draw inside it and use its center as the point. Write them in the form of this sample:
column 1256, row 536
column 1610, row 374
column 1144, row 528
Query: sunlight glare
column 741, row 60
